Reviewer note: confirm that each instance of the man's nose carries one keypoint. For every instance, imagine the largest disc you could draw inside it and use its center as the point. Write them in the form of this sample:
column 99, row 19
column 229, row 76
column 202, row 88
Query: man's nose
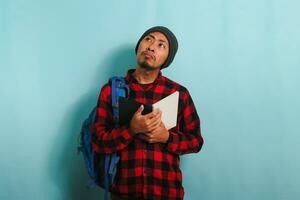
column 151, row 47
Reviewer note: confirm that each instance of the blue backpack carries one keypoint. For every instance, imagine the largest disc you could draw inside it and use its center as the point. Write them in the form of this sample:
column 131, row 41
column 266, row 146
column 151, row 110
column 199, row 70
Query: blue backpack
column 101, row 167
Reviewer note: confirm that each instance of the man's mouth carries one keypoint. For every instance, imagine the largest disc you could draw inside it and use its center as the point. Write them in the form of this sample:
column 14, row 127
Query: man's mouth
column 148, row 55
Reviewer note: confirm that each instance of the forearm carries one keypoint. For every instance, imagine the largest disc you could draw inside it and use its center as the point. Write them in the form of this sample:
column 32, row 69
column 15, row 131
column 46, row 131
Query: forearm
column 184, row 143
column 107, row 138
column 111, row 141
column 186, row 137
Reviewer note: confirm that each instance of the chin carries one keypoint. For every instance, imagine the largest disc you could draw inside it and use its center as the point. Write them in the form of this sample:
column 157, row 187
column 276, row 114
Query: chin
column 145, row 65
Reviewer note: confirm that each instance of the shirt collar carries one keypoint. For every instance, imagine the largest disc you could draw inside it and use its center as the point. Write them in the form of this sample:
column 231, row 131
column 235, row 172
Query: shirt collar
column 131, row 79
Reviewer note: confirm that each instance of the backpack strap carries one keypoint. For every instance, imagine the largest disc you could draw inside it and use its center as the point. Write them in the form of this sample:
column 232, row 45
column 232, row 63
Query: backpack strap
column 119, row 88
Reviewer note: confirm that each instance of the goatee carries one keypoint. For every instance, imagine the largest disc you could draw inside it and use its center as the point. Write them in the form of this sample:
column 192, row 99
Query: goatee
column 146, row 66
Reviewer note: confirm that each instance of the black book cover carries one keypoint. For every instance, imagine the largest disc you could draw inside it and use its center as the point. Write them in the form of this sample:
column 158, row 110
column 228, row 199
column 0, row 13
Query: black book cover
column 127, row 108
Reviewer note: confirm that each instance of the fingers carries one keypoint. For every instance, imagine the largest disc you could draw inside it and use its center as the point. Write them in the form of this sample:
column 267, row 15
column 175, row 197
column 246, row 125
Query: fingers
column 160, row 134
column 154, row 125
column 154, row 122
column 145, row 123
column 152, row 114
column 153, row 117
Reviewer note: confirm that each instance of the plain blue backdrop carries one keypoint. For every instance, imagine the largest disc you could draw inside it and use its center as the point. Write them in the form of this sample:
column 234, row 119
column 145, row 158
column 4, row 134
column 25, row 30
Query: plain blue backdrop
column 239, row 59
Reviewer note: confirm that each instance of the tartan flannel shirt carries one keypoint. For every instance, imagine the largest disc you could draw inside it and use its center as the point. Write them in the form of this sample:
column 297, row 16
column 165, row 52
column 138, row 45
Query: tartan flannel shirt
column 148, row 171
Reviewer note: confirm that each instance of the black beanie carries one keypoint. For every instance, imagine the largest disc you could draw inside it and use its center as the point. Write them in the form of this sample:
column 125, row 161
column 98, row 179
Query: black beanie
column 173, row 44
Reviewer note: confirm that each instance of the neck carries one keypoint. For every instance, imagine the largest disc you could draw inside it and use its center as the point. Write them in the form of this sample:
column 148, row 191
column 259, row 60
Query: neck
column 144, row 76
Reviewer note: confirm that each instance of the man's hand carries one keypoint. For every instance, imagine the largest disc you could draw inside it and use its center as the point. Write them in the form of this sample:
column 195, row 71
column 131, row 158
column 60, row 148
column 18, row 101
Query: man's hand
column 158, row 135
column 145, row 123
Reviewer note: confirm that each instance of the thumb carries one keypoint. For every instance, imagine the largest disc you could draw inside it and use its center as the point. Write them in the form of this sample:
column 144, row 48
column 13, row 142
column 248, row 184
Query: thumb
column 140, row 110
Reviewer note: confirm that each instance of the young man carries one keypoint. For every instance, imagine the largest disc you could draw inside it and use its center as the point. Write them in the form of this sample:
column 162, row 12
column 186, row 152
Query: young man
column 149, row 153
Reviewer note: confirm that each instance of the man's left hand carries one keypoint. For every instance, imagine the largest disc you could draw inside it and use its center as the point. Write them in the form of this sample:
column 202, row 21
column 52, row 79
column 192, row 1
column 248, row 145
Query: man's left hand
column 158, row 135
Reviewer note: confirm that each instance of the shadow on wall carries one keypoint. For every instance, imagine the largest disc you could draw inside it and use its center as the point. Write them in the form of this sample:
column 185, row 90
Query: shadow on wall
column 67, row 168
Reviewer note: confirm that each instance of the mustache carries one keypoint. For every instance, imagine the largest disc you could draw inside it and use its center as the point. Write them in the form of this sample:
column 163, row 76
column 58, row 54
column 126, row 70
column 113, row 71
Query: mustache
column 150, row 53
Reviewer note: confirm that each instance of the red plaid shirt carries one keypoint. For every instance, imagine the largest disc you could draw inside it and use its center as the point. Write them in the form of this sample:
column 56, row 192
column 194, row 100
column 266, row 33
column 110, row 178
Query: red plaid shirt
column 148, row 171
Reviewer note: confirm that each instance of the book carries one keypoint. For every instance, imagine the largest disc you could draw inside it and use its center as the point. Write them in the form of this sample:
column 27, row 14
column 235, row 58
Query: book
column 169, row 109
column 127, row 108
column 168, row 106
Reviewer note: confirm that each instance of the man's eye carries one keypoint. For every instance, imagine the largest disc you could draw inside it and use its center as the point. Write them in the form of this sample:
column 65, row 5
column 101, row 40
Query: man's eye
column 148, row 39
column 161, row 45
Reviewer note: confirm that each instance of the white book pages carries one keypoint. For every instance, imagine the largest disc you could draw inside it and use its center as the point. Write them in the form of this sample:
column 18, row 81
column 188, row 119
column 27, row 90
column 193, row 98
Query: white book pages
column 169, row 108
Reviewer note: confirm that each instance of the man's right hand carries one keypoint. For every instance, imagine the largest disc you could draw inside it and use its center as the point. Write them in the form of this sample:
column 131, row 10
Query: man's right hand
column 145, row 123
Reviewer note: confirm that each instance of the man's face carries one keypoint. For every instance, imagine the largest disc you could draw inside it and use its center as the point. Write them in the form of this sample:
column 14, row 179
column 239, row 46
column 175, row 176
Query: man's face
column 153, row 51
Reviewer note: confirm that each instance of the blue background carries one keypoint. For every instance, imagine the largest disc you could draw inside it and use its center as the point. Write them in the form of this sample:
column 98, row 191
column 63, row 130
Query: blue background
column 239, row 59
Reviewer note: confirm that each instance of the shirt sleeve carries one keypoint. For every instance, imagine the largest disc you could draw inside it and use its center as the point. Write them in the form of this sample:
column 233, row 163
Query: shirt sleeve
column 106, row 138
column 186, row 136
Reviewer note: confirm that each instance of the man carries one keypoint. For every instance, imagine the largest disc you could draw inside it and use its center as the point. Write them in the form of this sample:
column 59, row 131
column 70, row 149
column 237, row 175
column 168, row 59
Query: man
column 149, row 153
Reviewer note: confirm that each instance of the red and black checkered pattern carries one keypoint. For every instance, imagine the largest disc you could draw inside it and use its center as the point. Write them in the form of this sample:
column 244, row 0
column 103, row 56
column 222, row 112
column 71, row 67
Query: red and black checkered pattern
column 148, row 171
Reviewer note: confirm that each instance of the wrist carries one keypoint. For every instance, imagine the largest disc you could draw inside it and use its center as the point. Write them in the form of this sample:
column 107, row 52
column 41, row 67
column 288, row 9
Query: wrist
column 167, row 136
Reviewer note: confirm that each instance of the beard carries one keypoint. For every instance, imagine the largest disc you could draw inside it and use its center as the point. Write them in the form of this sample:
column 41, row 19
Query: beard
column 146, row 66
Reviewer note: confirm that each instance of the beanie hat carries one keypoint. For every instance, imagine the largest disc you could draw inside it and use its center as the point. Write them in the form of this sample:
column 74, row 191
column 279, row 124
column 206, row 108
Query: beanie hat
column 173, row 44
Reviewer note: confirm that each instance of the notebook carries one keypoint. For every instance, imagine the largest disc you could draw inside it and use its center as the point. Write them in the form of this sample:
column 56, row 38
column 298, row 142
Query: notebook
column 168, row 106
